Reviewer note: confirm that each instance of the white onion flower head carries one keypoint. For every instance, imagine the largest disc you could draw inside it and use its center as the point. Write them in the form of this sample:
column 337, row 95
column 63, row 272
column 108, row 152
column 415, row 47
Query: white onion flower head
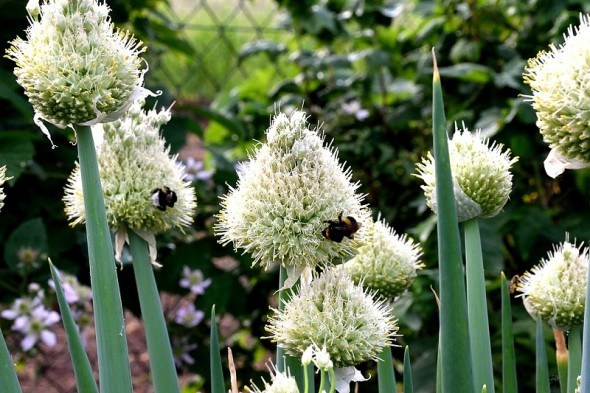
column 560, row 81
column 74, row 66
column 3, row 180
column 481, row 175
column 332, row 311
column 281, row 382
column 386, row 262
column 555, row 290
column 285, row 193
column 134, row 164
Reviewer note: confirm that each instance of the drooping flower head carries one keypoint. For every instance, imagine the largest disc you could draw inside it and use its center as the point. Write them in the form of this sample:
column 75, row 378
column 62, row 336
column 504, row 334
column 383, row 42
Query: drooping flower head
column 144, row 188
column 560, row 81
column 75, row 67
column 285, row 194
column 481, row 175
column 332, row 311
column 555, row 290
column 386, row 262
column 3, row 179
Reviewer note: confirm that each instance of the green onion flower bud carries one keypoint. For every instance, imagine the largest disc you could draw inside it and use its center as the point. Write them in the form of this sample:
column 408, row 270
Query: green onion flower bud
column 285, row 194
column 3, row 179
column 560, row 81
column 555, row 290
column 385, row 262
column 74, row 66
column 332, row 311
column 144, row 188
column 481, row 178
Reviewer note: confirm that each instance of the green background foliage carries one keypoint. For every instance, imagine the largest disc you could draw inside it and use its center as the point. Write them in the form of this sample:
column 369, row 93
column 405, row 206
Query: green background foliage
column 333, row 53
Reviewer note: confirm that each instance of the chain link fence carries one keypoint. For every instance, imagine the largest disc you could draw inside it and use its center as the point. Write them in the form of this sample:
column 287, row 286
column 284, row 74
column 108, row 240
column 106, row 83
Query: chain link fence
column 215, row 31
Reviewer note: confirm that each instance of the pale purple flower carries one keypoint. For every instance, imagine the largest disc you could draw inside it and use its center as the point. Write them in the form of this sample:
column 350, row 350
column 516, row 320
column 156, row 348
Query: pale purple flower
column 189, row 316
column 181, row 351
column 35, row 327
column 194, row 280
column 354, row 108
column 194, row 170
column 74, row 292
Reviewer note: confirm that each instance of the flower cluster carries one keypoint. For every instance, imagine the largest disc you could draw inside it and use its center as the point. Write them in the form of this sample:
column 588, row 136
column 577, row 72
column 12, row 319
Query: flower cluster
column 481, row 178
column 32, row 319
column 287, row 191
column 334, row 312
column 279, row 383
column 386, row 263
column 135, row 167
column 75, row 67
column 560, row 81
column 3, row 179
column 555, row 290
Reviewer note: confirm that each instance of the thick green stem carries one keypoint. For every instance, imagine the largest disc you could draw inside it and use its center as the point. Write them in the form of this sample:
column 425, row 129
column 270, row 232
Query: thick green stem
column 541, row 367
column 162, row 365
column 111, row 341
column 574, row 342
column 481, row 349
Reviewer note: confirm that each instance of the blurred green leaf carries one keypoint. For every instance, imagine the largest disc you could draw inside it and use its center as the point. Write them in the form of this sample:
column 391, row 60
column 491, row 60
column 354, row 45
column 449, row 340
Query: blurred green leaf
column 468, row 72
column 16, row 152
column 270, row 48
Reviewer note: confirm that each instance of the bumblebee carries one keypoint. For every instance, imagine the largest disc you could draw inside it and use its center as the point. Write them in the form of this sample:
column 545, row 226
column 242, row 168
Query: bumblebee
column 162, row 197
column 346, row 226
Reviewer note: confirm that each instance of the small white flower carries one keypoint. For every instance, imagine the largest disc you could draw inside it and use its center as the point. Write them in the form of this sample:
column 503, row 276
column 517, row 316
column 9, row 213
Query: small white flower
column 194, row 280
column 35, row 327
column 21, row 307
column 322, row 359
column 280, row 383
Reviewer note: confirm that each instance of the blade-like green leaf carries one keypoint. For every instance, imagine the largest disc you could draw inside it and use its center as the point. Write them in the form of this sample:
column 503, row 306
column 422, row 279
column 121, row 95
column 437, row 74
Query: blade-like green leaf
column 162, row 365
column 509, row 381
column 457, row 374
column 408, row 382
column 574, row 342
column 585, row 383
column 111, row 341
column 385, row 372
column 8, row 377
column 82, row 368
column 217, row 380
column 542, row 369
column 481, row 349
